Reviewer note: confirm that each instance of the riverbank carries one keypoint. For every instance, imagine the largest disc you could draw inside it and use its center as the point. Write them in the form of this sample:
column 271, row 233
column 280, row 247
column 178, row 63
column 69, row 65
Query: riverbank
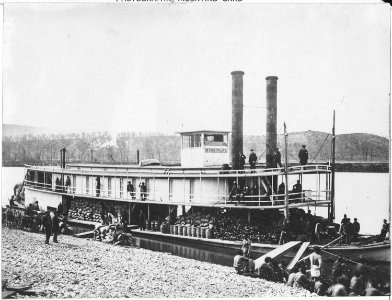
column 83, row 268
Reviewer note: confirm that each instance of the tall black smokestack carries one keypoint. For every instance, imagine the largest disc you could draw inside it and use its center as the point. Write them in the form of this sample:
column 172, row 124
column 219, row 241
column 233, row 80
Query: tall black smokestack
column 271, row 135
column 63, row 160
column 237, row 140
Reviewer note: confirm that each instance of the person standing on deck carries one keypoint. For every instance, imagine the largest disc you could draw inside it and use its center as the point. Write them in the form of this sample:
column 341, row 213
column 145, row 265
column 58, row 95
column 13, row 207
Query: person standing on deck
column 142, row 221
column 131, row 190
column 303, row 156
column 356, row 228
column 252, row 159
column 278, row 158
column 47, row 225
column 143, row 191
column 297, row 190
column 384, row 231
column 245, row 193
column 68, row 185
column 246, row 246
column 55, row 226
column 242, row 161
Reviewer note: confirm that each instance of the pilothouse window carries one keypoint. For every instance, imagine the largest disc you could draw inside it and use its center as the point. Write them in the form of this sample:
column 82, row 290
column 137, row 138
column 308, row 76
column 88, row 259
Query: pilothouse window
column 191, row 141
column 215, row 140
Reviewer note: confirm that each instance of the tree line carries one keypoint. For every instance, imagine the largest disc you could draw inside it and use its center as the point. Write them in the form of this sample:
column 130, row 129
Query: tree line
column 102, row 147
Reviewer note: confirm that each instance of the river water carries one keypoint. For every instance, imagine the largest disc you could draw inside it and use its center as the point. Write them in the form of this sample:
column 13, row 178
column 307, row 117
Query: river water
column 365, row 196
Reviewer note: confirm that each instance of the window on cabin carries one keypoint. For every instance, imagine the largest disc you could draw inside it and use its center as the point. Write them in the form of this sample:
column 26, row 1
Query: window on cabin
column 87, row 185
column 121, row 187
column 73, row 184
column 109, row 186
column 191, row 140
column 215, row 139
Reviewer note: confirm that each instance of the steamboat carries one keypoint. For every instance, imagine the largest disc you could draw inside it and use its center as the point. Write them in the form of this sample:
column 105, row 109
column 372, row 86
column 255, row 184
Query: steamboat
column 202, row 184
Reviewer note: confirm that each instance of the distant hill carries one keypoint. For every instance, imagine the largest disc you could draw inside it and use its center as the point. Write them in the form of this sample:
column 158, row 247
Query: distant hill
column 13, row 130
column 349, row 147
column 26, row 144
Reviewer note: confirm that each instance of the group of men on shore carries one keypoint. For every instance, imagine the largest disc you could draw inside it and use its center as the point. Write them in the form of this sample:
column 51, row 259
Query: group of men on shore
column 310, row 274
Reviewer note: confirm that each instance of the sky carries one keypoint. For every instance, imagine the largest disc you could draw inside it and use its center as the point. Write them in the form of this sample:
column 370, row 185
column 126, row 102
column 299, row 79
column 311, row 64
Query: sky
column 166, row 67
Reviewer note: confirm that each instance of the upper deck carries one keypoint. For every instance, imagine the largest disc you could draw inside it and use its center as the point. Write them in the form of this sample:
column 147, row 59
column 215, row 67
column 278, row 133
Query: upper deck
column 175, row 172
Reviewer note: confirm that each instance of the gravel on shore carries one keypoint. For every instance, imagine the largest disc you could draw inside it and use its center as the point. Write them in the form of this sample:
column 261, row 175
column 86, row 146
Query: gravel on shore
column 83, row 268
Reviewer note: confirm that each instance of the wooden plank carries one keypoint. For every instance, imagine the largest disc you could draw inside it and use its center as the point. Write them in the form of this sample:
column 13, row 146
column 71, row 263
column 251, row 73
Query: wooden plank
column 276, row 252
column 19, row 287
column 7, row 294
column 84, row 234
column 296, row 258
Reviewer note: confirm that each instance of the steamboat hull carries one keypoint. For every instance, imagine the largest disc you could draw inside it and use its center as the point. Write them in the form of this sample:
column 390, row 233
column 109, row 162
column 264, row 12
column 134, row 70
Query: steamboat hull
column 375, row 253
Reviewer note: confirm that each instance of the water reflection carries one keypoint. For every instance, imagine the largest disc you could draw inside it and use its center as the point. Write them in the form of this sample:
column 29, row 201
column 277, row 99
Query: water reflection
column 212, row 255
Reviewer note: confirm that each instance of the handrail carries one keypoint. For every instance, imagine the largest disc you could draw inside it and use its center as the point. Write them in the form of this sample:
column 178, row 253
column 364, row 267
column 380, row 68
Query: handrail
column 212, row 199
column 181, row 172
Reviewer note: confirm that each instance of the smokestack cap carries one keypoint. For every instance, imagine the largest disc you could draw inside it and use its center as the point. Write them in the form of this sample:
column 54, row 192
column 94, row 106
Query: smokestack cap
column 271, row 78
column 237, row 73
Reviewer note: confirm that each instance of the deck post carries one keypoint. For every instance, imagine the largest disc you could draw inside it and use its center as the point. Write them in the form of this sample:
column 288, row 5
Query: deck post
column 115, row 184
column 287, row 211
column 248, row 216
column 258, row 188
column 148, row 211
column 332, row 215
column 201, row 190
column 129, row 212
column 225, row 190
column 218, row 186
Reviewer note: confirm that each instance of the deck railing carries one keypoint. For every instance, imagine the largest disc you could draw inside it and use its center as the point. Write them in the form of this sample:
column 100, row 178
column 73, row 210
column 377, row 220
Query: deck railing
column 187, row 199
column 179, row 172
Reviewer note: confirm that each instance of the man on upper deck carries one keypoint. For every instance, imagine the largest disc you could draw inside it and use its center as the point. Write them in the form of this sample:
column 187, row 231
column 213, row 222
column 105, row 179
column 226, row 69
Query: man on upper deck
column 252, row 159
column 278, row 157
column 242, row 161
column 303, row 156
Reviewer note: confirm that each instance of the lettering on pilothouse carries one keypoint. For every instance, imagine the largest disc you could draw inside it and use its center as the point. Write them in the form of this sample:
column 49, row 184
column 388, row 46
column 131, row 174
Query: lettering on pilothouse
column 215, row 150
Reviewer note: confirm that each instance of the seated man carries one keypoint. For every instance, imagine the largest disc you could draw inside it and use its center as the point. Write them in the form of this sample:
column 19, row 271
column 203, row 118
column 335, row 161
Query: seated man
column 240, row 263
column 290, row 279
column 266, row 269
column 301, row 280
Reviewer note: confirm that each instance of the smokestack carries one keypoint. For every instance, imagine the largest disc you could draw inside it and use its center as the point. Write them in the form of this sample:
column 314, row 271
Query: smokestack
column 271, row 135
column 63, row 160
column 237, row 118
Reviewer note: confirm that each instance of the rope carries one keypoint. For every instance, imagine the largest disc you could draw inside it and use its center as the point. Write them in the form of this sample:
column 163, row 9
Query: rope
column 320, row 148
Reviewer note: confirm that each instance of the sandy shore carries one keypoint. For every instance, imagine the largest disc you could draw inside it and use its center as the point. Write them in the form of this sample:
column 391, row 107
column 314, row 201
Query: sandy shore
column 81, row 268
